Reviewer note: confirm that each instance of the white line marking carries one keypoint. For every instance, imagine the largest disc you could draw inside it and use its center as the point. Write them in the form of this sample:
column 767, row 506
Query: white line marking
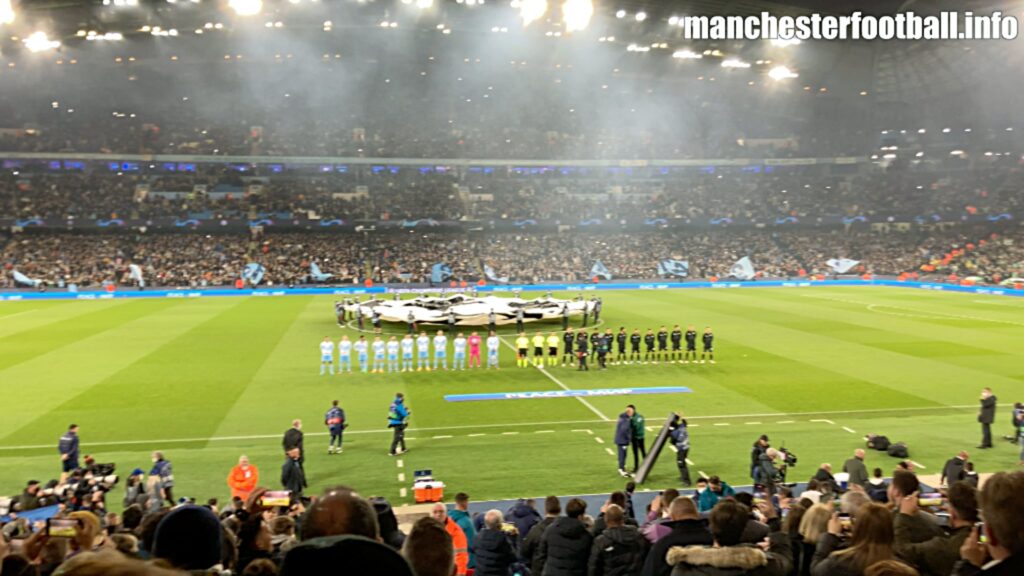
column 401, row 477
column 722, row 424
column 702, row 474
column 784, row 422
column 509, row 433
column 689, row 462
column 599, row 440
column 918, row 465
column 409, row 438
column 402, row 492
column 674, row 449
column 850, row 430
column 506, row 425
column 544, row 432
column 823, row 420
column 441, row 437
column 751, row 423
column 650, row 428
column 400, row 463
column 941, row 315
column 475, row 435
column 563, row 386
column 609, row 451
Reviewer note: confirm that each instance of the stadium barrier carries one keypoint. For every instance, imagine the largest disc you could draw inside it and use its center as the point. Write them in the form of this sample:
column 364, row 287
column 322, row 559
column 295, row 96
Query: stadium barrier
column 359, row 291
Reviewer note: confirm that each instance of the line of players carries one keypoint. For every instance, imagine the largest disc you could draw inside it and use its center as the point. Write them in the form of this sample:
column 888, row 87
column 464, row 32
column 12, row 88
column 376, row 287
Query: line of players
column 385, row 354
column 578, row 346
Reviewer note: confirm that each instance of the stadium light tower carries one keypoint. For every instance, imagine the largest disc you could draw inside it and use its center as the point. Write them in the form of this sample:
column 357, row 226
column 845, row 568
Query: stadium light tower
column 781, row 73
column 576, row 14
column 39, row 42
column 530, row 10
column 246, row 7
column 6, row 12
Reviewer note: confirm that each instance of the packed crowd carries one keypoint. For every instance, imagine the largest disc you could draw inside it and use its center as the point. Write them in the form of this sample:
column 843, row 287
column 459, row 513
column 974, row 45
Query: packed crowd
column 847, row 525
column 375, row 193
column 195, row 260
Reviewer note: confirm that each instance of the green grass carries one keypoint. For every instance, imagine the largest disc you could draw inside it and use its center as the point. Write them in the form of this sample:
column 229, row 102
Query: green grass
column 206, row 380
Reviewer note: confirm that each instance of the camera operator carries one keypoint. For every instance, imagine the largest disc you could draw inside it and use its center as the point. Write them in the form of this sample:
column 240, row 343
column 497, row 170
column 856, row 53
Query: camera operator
column 755, row 457
column 768, row 472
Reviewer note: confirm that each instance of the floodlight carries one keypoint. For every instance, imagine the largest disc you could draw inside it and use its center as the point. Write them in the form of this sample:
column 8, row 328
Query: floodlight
column 246, row 7
column 530, row 10
column 39, row 42
column 6, row 12
column 781, row 73
column 576, row 14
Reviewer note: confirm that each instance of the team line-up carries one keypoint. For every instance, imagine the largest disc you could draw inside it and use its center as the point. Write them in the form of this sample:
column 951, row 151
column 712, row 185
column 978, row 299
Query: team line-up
column 396, row 355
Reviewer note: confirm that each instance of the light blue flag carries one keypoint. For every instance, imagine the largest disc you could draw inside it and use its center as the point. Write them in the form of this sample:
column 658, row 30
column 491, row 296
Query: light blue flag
column 492, row 276
column 599, row 269
column 678, row 268
column 253, row 273
column 440, row 273
column 317, row 275
column 842, row 265
column 743, row 269
column 135, row 272
column 25, row 280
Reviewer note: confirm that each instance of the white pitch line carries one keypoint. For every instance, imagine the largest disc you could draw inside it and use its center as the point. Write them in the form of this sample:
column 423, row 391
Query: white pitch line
column 400, row 463
column 563, row 386
column 441, row 437
column 722, row 424
column 609, row 451
column 479, row 426
column 752, row 423
column 478, row 434
column 599, row 440
column 543, row 431
column 689, row 462
column 509, row 433
column 402, row 492
column 850, row 430
column 673, row 447
column 401, row 477
column 918, row 465
column 784, row 422
column 823, row 420
column 650, row 428
column 702, row 474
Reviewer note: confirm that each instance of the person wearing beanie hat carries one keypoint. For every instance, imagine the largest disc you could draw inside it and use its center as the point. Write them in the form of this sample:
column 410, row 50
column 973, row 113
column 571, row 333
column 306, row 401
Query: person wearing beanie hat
column 189, row 538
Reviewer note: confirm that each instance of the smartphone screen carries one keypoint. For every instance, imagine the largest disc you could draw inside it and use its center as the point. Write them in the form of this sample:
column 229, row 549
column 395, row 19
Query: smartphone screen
column 846, row 522
column 276, row 498
column 61, row 527
column 981, row 532
column 930, row 500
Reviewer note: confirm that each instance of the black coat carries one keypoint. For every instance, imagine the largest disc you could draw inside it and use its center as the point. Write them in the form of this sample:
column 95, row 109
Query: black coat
column 684, row 533
column 564, row 549
column 494, row 553
column 293, row 439
column 293, row 477
column 954, row 471
column 987, row 415
column 531, row 542
column 618, row 551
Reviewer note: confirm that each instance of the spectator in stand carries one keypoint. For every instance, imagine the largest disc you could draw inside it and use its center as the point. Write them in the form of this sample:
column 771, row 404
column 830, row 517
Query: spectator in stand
column 826, row 481
column 495, row 548
column 339, row 511
column 29, row 498
column 68, row 448
column 255, row 541
column 243, row 478
column 1002, row 502
column 565, row 546
column 729, row 556
column 756, row 530
column 870, row 542
column 282, row 536
column 686, row 529
column 523, row 515
column 617, row 499
column 890, row 568
column 428, row 548
column 531, row 542
column 936, row 557
column 857, row 470
column 164, row 472
column 717, row 489
column 852, row 501
column 955, row 469
column 812, row 493
column 440, row 513
column 813, row 527
column 654, row 528
column 460, row 514
column 190, row 538
column 619, row 550
column 919, row 527
column 877, row 486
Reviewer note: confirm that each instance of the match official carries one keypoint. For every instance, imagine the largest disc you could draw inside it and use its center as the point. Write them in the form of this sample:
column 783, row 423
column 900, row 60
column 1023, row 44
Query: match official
column 335, row 422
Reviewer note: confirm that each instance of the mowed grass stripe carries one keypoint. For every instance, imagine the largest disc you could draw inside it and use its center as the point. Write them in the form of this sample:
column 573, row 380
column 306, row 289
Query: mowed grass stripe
column 10, row 309
column 49, row 379
column 185, row 386
column 27, row 344
column 52, row 316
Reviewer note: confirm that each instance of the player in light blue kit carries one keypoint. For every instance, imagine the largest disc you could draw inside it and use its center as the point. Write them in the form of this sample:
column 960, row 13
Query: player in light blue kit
column 423, row 352
column 345, row 355
column 378, row 356
column 327, row 356
column 441, row 350
column 407, row 346
column 392, row 354
column 361, row 347
column 459, row 359
column 492, row 350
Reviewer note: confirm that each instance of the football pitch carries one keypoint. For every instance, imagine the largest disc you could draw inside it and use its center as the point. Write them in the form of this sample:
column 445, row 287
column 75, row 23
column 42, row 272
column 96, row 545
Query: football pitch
column 207, row 379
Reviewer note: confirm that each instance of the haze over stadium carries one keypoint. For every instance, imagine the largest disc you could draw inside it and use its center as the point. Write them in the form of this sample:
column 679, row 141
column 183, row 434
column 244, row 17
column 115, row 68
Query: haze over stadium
column 636, row 288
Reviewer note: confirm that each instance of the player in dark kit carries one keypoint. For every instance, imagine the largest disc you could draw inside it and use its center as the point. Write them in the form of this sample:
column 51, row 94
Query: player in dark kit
column 568, row 339
column 634, row 346
column 662, row 344
column 594, row 339
column 649, row 346
column 677, row 342
column 581, row 350
column 708, row 348
column 620, row 340
column 691, row 345
column 602, row 346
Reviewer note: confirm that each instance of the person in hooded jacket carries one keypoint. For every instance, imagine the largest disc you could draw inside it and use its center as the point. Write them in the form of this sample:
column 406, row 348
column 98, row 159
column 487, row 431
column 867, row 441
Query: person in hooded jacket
column 620, row 549
column 565, row 547
column 531, row 542
column 729, row 556
column 687, row 529
column 523, row 515
column 495, row 552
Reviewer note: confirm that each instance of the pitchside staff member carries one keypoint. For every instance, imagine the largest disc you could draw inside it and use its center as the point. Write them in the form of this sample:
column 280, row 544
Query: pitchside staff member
column 637, row 423
column 986, row 416
column 398, row 417
column 677, row 338
column 634, row 346
column 620, row 340
column 568, row 338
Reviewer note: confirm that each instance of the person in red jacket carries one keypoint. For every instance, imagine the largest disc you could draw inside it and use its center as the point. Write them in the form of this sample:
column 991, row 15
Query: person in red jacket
column 243, row 478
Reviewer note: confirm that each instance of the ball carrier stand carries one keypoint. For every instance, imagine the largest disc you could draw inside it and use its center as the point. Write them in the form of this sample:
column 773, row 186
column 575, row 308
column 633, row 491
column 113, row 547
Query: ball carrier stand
column 656, row 448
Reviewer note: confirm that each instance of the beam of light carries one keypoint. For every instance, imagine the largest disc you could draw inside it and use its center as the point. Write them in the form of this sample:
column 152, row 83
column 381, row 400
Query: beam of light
column 424, row 4
column 6, row 12
column 576, row 14
column 735, row 63
column 686, row 55
column 39, row 42
column 530, row 10
column 246, row 7
column 781, row 73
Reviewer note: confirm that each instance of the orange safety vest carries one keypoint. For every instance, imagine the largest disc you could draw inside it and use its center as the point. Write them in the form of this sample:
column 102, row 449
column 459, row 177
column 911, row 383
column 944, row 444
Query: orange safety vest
column 461, row 546
column 243, row 480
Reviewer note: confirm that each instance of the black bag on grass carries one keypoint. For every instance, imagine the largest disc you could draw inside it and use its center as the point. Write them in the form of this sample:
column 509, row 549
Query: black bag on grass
column 898, row 450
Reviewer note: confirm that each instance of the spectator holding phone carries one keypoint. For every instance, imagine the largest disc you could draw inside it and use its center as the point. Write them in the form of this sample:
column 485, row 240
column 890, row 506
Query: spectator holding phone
column 997, row 548
column 871, row 542
column 937, row 556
